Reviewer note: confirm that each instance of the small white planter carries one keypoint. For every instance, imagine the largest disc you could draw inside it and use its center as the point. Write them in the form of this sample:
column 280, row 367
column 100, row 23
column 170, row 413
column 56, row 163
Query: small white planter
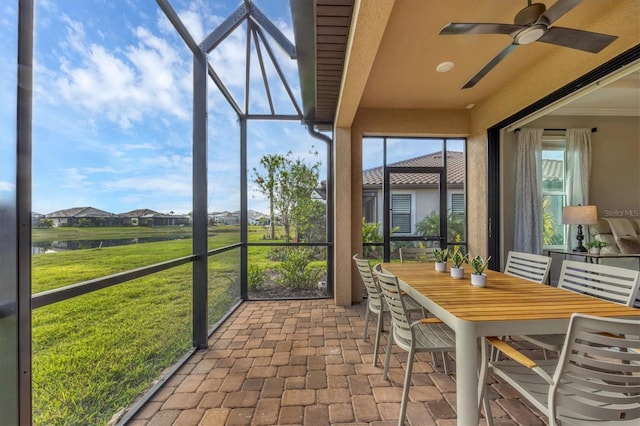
column 457, row 273
column 441, row 266
column 594, row 250
column 478, row 280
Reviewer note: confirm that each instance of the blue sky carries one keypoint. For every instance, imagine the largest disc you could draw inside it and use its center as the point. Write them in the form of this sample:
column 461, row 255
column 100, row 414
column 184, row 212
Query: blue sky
column 112, row 105
column 112, row 101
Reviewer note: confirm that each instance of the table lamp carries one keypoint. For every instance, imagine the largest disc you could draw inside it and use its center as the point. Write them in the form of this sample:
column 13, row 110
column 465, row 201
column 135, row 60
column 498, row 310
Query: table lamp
column 579, row 215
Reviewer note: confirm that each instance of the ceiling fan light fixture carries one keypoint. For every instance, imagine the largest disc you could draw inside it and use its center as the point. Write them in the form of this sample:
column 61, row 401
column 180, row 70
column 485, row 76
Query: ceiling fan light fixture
column 530, row 34
column 445, row 66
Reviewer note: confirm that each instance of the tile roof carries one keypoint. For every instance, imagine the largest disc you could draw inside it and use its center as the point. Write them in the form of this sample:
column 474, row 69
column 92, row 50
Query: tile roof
column 80, row 212
column 140, row 213
column 455, row 171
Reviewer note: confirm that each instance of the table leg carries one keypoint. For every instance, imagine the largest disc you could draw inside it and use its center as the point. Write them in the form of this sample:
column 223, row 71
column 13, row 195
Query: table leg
column 467, row 374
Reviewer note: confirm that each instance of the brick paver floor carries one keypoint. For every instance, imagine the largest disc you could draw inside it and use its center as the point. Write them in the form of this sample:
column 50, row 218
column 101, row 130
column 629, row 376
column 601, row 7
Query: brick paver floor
column 305, row 363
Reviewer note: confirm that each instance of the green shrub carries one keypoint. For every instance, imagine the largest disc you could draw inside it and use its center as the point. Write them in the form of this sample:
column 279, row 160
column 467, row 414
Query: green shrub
column 255, row 276
column 296, row 271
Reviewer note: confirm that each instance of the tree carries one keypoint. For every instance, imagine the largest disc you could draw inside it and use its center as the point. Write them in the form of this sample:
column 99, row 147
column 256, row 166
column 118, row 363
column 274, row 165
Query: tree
column 430, row 225
column 311, row 221
column 273, row 164
column 549, row 234
column 288, row 184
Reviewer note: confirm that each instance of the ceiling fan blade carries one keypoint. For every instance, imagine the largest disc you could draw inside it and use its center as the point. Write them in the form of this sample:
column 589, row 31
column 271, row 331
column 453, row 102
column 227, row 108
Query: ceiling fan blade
column 492, row 63
column 577, row 39
column 474, row 28
column 556, row 11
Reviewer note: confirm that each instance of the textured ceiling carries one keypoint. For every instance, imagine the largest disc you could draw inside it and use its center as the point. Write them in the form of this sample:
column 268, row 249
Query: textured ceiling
column 403, row 74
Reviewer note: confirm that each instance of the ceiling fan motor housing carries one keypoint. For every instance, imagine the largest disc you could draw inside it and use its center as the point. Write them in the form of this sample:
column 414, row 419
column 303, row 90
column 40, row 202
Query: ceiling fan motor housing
column 530, row 14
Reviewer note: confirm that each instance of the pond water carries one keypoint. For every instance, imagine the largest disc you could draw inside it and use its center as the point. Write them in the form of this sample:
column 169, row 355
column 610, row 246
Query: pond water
column 41, row 247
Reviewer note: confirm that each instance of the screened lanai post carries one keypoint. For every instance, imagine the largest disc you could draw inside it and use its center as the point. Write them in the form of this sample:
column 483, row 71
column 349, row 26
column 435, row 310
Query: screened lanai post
column 244, row 212
column 200, row 234
column 22, row 260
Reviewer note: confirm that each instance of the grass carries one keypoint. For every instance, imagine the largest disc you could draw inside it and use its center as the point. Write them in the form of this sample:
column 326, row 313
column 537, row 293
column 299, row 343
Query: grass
column 93, row 354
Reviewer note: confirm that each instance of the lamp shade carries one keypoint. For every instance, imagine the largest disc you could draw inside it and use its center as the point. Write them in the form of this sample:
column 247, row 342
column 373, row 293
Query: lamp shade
column 580, row 215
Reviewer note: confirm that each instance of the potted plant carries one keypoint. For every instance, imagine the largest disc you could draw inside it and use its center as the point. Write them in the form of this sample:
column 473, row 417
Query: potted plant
column 595, row 246
column 441, row 259
column 478, row 265
column 457, row 259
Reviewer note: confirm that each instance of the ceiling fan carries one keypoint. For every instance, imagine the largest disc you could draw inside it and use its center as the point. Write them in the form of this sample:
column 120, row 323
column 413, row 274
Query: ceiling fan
column 533, row 23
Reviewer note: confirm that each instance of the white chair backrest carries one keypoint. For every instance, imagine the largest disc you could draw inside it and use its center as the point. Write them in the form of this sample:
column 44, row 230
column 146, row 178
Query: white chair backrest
column 611, row 283
column 598, row 370
column 532, row 267
column 393, row 296
column 417, row 254
column 364, row 268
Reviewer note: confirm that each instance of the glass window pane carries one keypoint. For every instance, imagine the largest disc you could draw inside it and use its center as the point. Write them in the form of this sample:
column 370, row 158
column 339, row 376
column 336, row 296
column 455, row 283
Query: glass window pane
column 553, row 229
column 552, row 170
column 553, row 189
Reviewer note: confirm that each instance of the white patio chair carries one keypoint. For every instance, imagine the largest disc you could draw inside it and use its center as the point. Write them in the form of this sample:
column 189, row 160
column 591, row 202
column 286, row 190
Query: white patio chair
column 532, row 267
column 596, row 379
column 417, row 254
column 375, row 304
column 611, row 283
column 425, row 335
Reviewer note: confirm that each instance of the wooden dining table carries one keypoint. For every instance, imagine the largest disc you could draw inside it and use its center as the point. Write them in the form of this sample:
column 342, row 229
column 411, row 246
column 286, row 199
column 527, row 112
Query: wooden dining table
column 506, row 306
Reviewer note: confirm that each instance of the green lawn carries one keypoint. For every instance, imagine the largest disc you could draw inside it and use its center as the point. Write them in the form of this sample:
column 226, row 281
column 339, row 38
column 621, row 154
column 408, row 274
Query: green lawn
column 94, row 354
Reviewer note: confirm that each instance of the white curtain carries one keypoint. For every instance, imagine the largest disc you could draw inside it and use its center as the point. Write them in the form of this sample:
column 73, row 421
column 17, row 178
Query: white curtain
column 528, row 219
column 578, row 155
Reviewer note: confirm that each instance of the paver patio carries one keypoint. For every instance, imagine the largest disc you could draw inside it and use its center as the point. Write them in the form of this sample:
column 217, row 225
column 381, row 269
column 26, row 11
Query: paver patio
column 304, row 362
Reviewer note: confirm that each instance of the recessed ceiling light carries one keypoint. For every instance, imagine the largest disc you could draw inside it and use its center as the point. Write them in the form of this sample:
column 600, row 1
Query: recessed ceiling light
column 470, row 106
column 444, row 67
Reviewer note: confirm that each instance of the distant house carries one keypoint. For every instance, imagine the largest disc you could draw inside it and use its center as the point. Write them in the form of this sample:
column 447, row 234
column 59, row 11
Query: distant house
column 83, row 216
column 35, row 219
column 148, row 217
column 414, row 195
column 225, row 218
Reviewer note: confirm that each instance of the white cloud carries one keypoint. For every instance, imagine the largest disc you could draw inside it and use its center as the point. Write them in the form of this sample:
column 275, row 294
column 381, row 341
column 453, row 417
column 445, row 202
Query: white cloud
column 136, row 146
column 124, row 85
column 7, row 186
column 74, row 179
column 167, row 185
